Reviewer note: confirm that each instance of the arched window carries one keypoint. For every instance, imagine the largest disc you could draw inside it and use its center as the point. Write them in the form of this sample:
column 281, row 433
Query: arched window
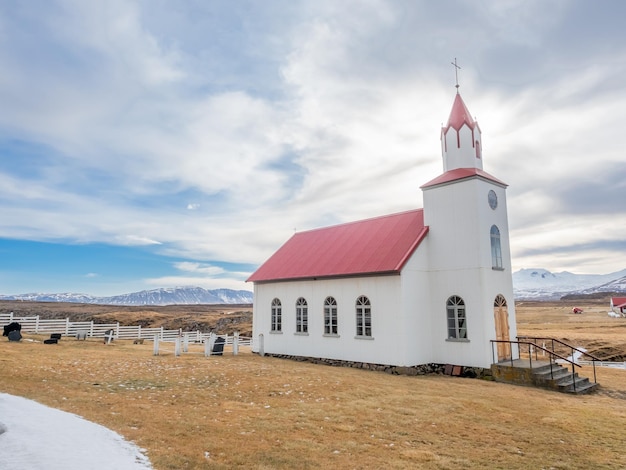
column 302, row 316
column 496, row 249
column 330, row 316
column 477, row 145
column 276, row 315
column 363, row 316
column 457, row 322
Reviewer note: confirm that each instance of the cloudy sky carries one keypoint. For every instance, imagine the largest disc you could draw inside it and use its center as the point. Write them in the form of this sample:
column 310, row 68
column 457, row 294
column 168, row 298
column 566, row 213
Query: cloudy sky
column 152, row 143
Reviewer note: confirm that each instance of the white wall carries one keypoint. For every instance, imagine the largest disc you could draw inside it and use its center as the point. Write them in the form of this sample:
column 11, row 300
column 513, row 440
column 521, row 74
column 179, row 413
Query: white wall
column 391, row 343
column 465, row 155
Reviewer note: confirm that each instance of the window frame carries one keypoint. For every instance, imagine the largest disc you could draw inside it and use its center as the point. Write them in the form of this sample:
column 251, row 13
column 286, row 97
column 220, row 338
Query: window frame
column 363, row 317
column 456, row 319
column 276, row 319
column 331, row 317
column 302, row 316
column 496, row 248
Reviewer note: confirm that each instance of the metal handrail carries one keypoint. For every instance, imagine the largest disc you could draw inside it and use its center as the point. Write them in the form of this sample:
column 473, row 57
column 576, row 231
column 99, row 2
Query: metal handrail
column 530, row 344
column 573, row 348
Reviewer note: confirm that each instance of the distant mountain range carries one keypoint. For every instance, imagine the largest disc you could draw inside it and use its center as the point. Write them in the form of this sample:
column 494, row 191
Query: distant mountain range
column 541, row 284
column 163, row 296
column 528, row 284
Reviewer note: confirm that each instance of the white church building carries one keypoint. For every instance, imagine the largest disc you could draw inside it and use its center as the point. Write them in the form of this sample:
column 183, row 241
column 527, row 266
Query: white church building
column 426, row 286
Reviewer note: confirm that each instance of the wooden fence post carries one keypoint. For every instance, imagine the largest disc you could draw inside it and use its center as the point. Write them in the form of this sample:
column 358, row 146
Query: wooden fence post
column 177, row 346
column 155, row 351
column 207, row 347
column 91, row 330
column 67, row 327
column 186, row 343
column 36, row 323
column 139, row 332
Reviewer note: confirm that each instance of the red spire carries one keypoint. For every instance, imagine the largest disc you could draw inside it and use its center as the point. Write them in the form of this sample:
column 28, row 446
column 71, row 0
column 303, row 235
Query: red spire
column 459, row 115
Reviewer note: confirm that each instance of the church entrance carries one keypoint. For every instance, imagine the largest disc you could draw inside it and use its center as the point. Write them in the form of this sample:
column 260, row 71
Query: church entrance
column 501, row 315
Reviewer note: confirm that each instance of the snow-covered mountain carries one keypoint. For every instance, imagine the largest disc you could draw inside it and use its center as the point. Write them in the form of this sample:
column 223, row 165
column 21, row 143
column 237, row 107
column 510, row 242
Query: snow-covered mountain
column 163, row 296
column 528, row 284
column 541, row 284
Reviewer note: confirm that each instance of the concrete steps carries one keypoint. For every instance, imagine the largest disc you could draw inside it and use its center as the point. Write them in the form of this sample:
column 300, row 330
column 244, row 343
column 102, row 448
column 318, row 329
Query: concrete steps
column 542, row 374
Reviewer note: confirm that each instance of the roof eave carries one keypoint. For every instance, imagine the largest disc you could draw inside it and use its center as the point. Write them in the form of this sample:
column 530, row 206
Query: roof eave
column 486, row 177
column 412, row 248
column 394, row 272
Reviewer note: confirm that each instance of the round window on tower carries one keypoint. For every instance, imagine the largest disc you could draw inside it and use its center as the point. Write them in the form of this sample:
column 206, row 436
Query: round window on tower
column 493, row 199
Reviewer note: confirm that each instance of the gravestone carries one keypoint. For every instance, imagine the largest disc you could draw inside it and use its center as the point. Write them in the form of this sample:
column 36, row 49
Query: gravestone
column 50, row 341
column 15, row 326
column 218, row 347
column 108, row 336
column 15, row 335
column 56, row 336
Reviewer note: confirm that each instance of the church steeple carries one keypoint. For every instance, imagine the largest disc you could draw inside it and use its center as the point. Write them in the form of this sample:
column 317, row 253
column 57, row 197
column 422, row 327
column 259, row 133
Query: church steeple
column 461, row 143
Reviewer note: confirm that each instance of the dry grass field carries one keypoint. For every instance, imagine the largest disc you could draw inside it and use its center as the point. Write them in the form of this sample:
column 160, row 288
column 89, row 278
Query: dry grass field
column 264, row 413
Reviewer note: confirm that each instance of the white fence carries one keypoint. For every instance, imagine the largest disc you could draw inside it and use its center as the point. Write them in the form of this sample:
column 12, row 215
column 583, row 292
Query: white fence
column 183, row 344
column 65, row 327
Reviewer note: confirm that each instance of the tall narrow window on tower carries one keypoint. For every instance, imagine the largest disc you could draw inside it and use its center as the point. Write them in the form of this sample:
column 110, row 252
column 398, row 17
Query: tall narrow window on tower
column 496, row 249
column 477, row 145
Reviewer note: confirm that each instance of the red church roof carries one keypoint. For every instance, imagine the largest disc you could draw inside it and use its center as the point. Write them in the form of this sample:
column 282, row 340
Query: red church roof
column 381, row 245
column 459, row 115
column 462, row 173
column 618, row 301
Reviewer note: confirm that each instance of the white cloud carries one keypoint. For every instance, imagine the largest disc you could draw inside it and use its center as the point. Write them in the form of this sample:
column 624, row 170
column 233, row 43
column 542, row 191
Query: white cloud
column 135, row 240
column 199, row 268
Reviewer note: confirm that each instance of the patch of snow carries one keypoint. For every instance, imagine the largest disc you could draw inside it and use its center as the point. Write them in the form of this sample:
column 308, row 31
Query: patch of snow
column 34, row 436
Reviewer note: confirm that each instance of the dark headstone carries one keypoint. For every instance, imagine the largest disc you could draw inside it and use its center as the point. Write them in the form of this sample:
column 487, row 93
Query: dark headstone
column 15, row 335
column 50, row 341
column 56, row 336
column 15, row 326
column 218, row 346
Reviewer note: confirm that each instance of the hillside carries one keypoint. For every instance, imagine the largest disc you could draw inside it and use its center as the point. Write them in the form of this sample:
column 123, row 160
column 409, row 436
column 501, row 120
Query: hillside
column 163, row 296
column 223, row 319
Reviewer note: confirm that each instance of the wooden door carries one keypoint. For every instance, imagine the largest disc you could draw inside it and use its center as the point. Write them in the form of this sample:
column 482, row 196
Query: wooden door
column 501, row 315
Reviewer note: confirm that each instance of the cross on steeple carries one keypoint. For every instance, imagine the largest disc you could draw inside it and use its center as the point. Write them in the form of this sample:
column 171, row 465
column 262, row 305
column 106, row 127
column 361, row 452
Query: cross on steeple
column 456, row 74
